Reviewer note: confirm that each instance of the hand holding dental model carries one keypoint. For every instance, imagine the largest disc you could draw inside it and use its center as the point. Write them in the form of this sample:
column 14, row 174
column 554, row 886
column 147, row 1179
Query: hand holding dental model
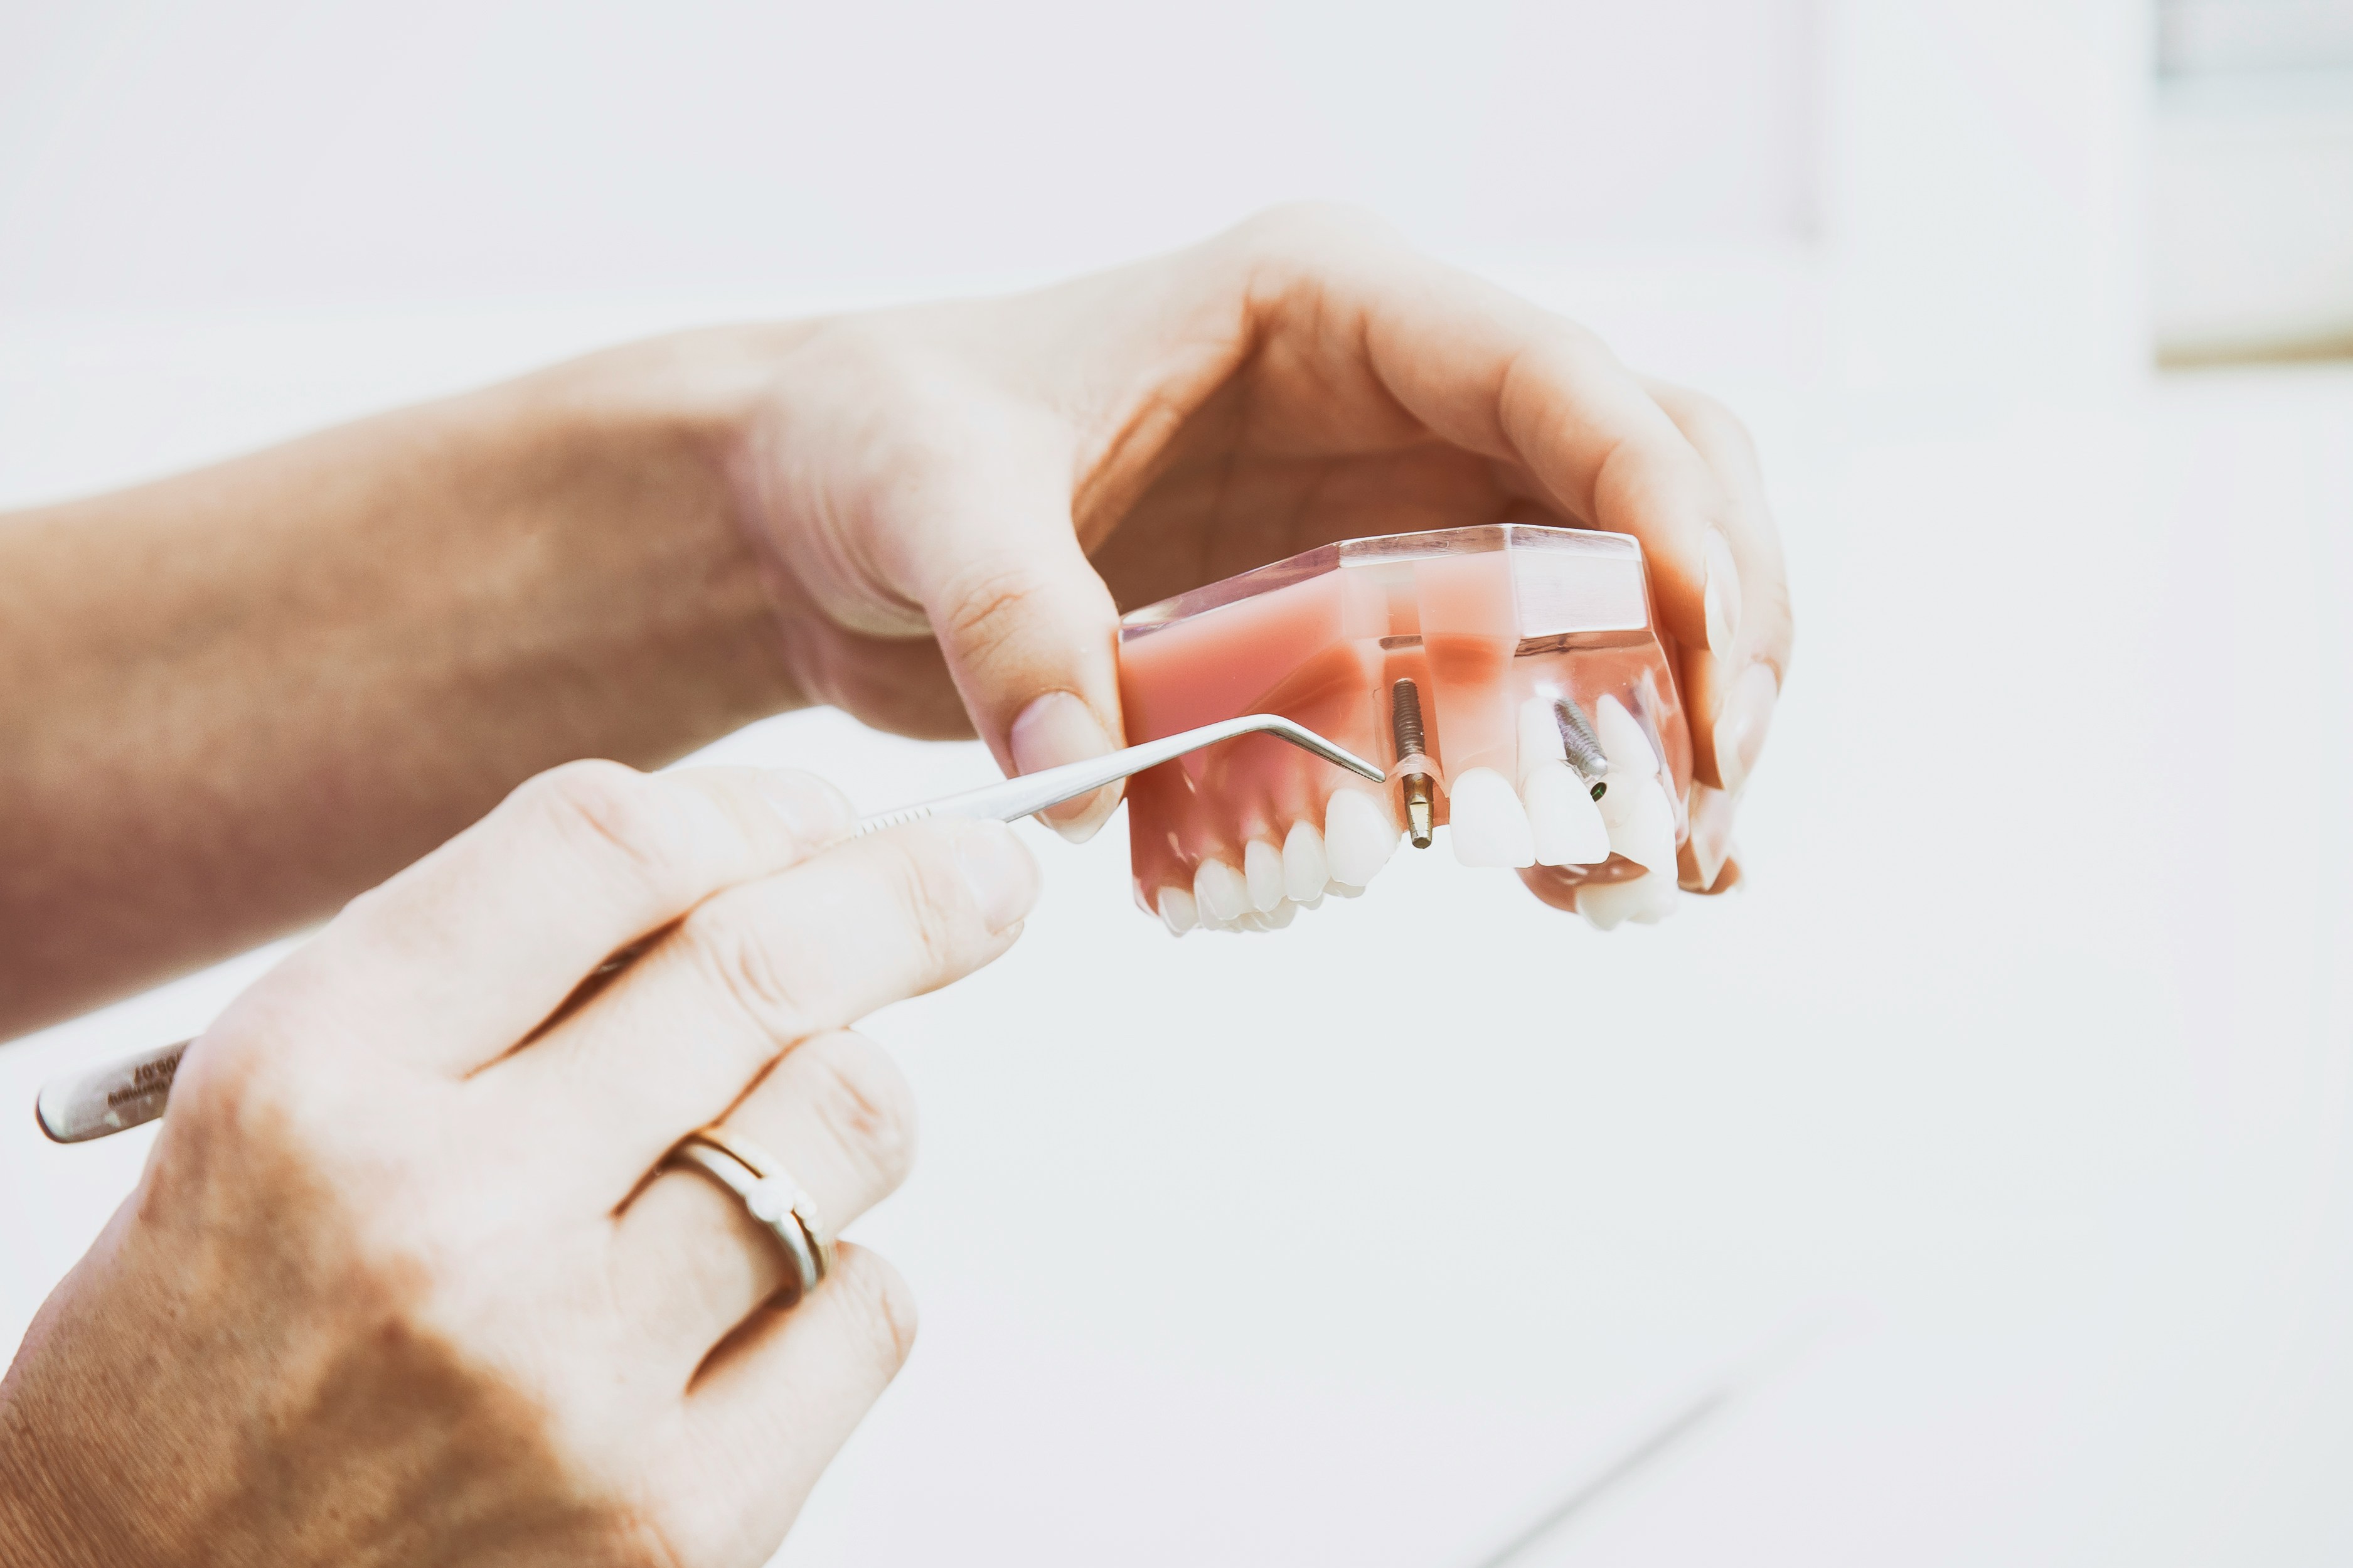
column 459, row 1245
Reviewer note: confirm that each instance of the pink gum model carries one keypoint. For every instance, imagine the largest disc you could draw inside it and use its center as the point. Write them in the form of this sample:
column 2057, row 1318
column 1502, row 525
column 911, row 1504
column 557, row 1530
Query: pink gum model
column 1552, row 736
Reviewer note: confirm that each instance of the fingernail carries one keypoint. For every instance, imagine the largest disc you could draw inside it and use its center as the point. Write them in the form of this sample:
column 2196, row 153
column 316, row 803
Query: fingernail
column 812, row 810
column 1741, row 724
column 1721, row 593
column 1000, row 870
column 1059, row 727
column 1712, row 813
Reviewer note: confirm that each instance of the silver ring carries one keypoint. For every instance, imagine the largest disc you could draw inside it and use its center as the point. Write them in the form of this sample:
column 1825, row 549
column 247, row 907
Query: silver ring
column 769, row 1194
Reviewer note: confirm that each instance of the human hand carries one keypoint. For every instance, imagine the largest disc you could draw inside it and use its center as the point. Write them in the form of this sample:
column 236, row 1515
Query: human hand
column 956, row 500
column 405, row 1278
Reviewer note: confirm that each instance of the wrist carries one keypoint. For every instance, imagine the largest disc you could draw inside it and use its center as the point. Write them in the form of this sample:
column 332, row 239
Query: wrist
column 647, row 440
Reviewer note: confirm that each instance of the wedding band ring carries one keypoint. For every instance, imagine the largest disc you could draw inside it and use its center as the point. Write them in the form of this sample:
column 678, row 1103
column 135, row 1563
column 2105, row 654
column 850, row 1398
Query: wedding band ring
column 769, row 1194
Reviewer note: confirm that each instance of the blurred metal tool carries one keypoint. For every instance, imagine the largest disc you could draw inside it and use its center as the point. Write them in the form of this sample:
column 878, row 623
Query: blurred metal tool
column 126, row 1093
column 1018, row 797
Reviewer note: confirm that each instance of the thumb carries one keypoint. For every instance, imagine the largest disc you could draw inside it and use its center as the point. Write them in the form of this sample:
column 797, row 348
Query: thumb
column 1030, row 635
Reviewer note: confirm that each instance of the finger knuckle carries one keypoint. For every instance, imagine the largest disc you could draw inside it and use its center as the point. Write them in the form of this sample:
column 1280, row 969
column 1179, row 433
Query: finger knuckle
column 1314, row 230
column 981, row 606
column 872, row 341
column 735, row 959
column 859, row 1093
column 612, row 813
column 930, row 896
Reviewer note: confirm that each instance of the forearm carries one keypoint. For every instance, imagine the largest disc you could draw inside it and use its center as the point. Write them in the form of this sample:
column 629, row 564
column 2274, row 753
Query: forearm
column 231, row 700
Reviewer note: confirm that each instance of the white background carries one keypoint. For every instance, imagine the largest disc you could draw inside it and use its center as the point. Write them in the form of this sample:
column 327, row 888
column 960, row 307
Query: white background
column 1986, row 1155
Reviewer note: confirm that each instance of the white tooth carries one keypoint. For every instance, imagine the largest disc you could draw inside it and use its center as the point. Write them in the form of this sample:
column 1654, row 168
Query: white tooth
column 1658, row 896
column 1281, row 915
column 1642, row 827
column 1486, row 821
column 1176, row 909
column 1304, row 868
column 1565, row 825
column 1617, row 803
column 1339, row 890
column 1539, row 735
column 1220, row 888
column 1263, row 869
column 1314, row 903
column 1607, row 903
column 1623, row 743
column 1359, row 836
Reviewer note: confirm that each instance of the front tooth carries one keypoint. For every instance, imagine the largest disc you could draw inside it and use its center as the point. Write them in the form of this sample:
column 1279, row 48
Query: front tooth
column 1359, row 836
column 1565, row 823
column 1539, row 735
column 1340, row 889
column 1642, row 828
column 1304, row 867
column 1281, row 915
column 1177, row 910
column 1220, row 888
column 1486, row 821
column 1262, row 870
column 1623, row 743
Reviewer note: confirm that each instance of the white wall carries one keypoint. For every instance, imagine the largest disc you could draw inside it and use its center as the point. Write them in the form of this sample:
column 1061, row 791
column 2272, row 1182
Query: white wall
column 249, row 153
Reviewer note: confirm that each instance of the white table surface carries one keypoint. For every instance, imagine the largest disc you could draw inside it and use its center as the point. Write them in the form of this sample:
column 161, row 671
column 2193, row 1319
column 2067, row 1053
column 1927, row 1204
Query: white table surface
column 1988, row 1156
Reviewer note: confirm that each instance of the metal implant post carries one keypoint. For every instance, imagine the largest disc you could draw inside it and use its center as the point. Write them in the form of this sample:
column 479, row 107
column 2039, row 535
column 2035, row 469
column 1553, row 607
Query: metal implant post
column 1405, row 727
column 1583, row 746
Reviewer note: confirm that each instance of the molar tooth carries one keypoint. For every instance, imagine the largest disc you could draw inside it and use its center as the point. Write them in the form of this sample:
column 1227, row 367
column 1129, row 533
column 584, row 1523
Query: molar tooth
column 1623, row 743
column 1262, row 872
column 1608, row 903
column 1177, row 911
column 1339, row 890
column 1218, row 888
column 1565, row 825
column 1304, row 867
column 1359, row 836
column 1657, row 899
column 1281, row 915
column 1642, row 828
column 1486, row 821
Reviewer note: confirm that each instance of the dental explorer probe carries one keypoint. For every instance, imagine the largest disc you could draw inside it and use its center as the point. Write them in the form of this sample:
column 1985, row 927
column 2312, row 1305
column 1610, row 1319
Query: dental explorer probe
column 134, row 1090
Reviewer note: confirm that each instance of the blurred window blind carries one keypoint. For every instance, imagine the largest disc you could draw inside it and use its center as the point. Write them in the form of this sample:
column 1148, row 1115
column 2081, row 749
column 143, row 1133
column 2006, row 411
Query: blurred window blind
column 2252, row 182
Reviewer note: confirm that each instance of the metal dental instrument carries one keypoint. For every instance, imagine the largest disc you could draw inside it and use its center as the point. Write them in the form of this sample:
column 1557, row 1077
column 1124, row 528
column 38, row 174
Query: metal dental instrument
column 1018, row 797
column 134, row 1090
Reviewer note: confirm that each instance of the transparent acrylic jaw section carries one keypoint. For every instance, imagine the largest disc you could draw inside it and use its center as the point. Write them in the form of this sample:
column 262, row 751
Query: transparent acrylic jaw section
column 1550, row 737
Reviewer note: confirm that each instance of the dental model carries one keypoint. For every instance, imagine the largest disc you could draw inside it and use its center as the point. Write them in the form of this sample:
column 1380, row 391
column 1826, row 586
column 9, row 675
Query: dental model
column 1510, row 675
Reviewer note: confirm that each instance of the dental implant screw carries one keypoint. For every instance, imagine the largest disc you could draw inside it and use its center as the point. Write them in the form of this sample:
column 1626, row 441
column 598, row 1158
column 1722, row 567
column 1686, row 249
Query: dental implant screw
column 1404, row 728
column 1579, row 741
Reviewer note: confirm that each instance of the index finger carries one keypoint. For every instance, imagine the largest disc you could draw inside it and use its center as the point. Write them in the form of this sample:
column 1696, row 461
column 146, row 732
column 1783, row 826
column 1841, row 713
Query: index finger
column 463, row 954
